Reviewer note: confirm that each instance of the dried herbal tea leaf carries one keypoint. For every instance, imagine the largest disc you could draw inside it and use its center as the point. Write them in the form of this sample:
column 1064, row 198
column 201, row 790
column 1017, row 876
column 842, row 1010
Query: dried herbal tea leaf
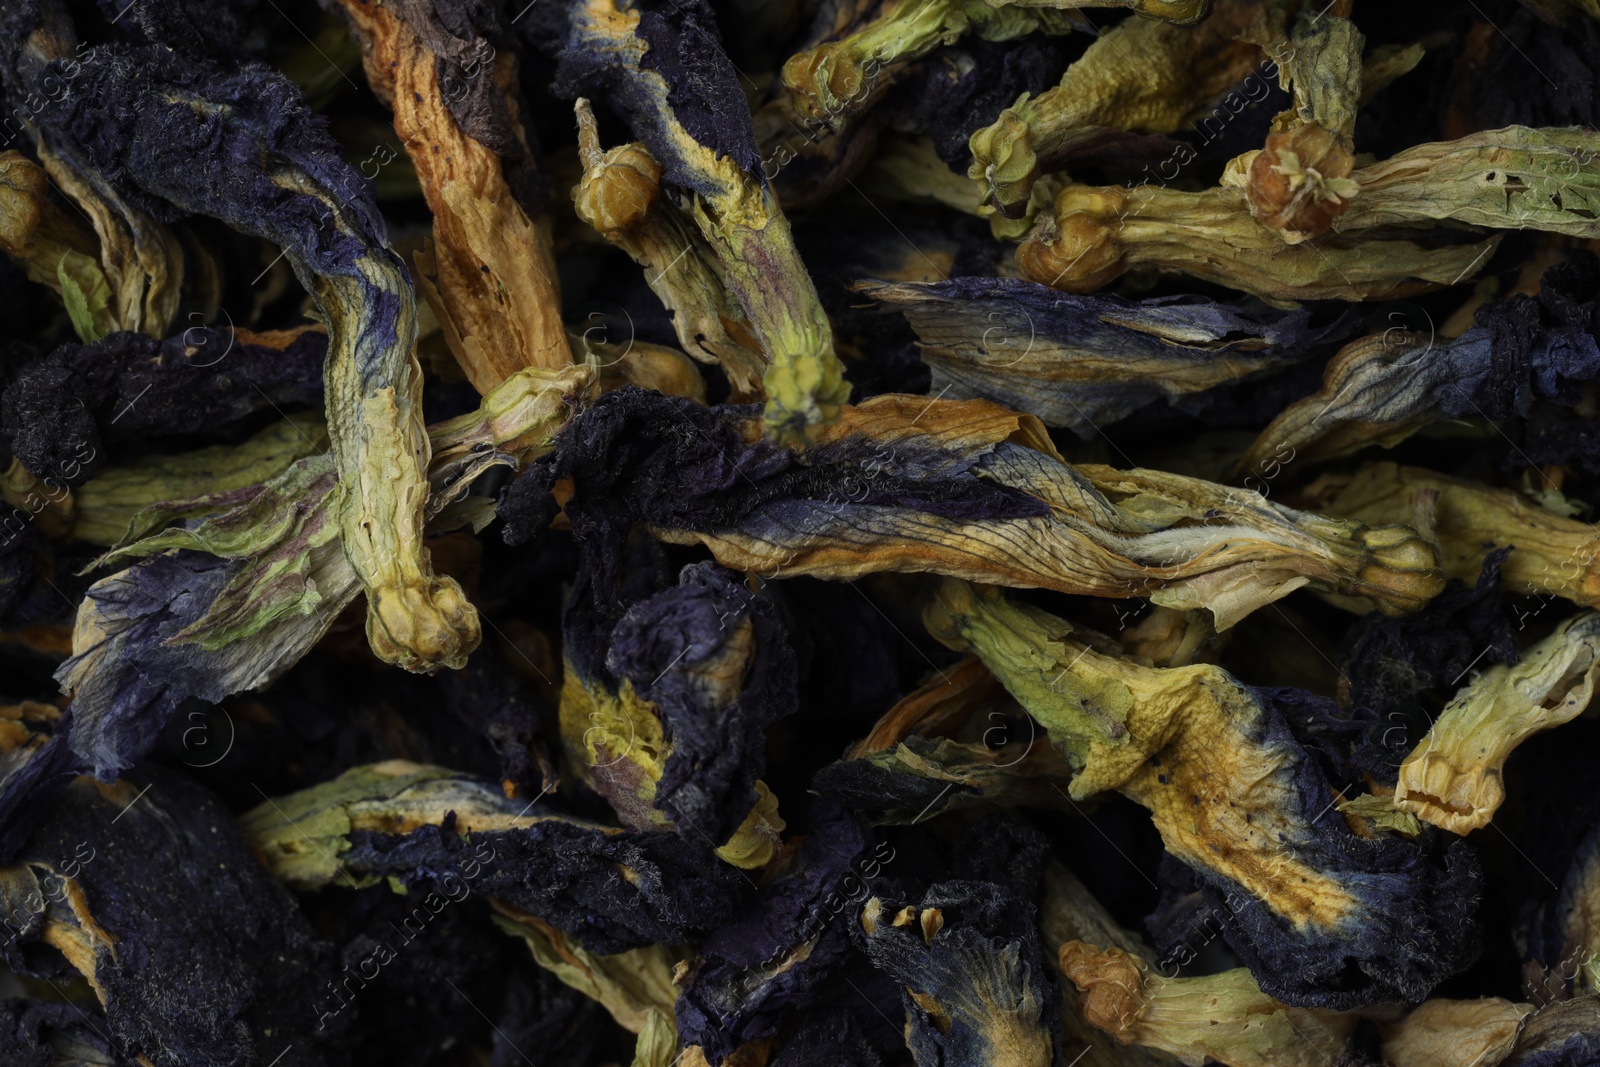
column 977, row 989
column 65, row 412
column 51, row 247
column 784, row 947
column 195, row 954
column 288, row 183
column 665, row 714
column 611, row 889
column 958, row 742
column 1442, row 1031
column 1381, row 389
column 841, row 77
column 620, row 196
column 232, row 598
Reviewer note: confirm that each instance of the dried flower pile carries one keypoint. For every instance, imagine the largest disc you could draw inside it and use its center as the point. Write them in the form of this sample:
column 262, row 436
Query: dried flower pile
column 799, row 534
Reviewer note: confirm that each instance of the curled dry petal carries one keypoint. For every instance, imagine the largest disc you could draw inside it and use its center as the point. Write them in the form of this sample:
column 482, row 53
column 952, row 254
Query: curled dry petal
column 1550, row 555
column 1454, row 777
column 1139, row 75
column 1454, row 1033
column 962, row 488
column 1223, row 1017
column 1095, row 235
column 1236, row 797
column 620, row 196
column 490, row 276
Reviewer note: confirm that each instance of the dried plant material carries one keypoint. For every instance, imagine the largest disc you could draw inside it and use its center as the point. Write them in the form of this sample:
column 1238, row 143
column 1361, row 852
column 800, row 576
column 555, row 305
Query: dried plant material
column 610, row 889
column 1454, row 777
column 640, row 363
column 1300, row 183
column 1007, row 509
column 976, row 987
column 1223, row 1017
column 1235, row 797
column 120, row 504
column 1510, row 179
column 842, row 77
column 69, row 412
column 52, row 248
column 1095, row 235
column 1085, row 361
column 1383, row 388
column 490, row 274
column 1382, row 813
column 620, row 196
column 1069, row 912
column 1567, row 1031
column 1550, row 555
column 1320, row 61
column 141, row 260
column 635, row 987
column 316, row 207
column 959, row 742
column 1454, row 1033
column 684, row 102
column 110, row 880
column 1140, row 75
column 662, row 710
column 231, row 598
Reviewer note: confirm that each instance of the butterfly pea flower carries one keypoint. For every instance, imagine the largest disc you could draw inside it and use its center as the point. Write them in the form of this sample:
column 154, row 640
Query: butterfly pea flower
column 958, row 742
column 666, row 718
column 1454, row 778
column 132, row 277
column 976, row 987
column 667, row 73
column 1236, row 798
column 124, row 502
column 1381, row 388
column 432, row 829
column 636, row 987
column 1558, row 937
column 782, row 950
column 1094, row 235
column 53, row 249
column 450, row 77
column 321, row 212
column 1084, row 361
column 1142, row 76
column 1550, row 555
column 839, row 78
column 1223, row 1017
column 1069, row 912
column 66, row 413
column 232, row 597
column 620, row 196
column 962, row 488
column 191, row 950
column 1300, row 183
column 1563, row 1033
column 1440, row 1031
